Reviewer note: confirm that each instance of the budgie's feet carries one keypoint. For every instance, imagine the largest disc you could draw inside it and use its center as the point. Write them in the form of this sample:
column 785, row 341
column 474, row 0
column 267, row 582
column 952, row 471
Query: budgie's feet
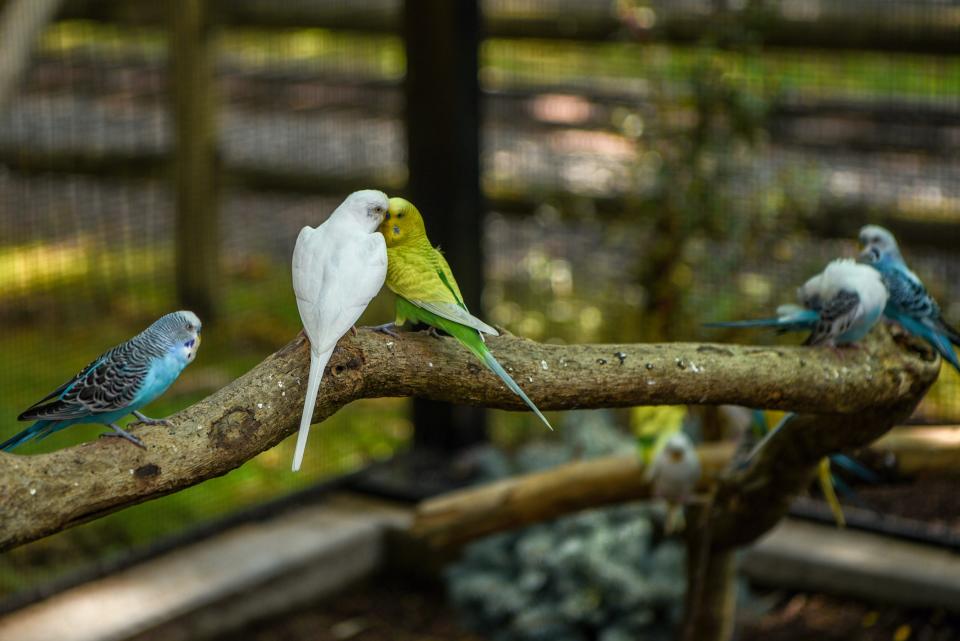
column 146, row 420
column 119, row 432
column 390, row 329
column 353, row 330
column 432, row 331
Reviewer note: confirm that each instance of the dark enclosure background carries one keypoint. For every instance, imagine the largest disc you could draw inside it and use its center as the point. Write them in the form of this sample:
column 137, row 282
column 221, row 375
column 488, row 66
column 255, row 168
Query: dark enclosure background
column 646, row 166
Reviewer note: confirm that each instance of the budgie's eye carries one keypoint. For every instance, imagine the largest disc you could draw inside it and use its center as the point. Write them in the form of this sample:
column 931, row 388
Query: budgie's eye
column 400, row 215
column 189, row 327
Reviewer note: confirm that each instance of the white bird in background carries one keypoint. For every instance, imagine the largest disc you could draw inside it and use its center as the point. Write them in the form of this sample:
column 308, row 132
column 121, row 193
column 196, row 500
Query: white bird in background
column 338, row 268
column 839, row 306
column 674, row 473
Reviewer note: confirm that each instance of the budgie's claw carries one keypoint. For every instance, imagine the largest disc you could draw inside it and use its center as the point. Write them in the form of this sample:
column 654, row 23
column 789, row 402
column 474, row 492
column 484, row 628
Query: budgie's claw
column 353, row 330
column 119, row 432
column 432, row 331
column 146, row 420
column 387, row 328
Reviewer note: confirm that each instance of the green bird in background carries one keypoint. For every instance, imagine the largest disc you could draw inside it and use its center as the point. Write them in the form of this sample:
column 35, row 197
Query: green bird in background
column 428, row 293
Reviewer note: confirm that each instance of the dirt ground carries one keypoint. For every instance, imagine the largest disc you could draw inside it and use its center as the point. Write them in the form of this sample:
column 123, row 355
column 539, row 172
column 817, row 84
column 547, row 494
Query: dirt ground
column 384, row 609
column 387, row 610
column 815, row 617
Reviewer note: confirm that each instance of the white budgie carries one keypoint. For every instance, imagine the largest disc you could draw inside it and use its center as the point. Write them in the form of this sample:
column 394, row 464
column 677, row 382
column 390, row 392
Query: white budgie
column 338, row 268
column 675, row 472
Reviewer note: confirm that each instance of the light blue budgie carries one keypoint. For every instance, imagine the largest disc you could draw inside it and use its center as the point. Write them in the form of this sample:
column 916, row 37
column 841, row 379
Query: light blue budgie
column 119, row 382
column 838, row 306
column 909, row 303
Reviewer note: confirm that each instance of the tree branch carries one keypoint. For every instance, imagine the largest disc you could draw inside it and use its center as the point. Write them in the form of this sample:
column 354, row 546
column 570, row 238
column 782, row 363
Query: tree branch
column 46, row 493
column 462, row 516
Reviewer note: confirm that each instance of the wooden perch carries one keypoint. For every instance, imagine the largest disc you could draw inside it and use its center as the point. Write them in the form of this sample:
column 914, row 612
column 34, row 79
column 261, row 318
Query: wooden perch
column 462, row 516
column 46, row 493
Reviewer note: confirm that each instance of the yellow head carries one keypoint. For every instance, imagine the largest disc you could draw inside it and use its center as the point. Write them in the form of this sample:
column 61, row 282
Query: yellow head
column 402, row 223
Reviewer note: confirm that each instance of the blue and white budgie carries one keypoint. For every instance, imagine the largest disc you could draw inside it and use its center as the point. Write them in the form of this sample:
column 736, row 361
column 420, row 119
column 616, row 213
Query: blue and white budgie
column 674, row 472
column 338, row 268
column 119, row 382
column 839, row 306
column 909, row 303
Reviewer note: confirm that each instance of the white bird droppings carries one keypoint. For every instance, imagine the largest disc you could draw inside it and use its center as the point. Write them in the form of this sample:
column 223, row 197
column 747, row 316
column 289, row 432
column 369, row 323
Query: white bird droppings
column 33, row 490
column 259, row 406
column 429, row 363
column 530, row 379
column 543, row 365
column 280, row 384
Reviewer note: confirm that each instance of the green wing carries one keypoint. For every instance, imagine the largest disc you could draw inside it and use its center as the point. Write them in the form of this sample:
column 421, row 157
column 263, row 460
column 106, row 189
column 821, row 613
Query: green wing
column 424, row 279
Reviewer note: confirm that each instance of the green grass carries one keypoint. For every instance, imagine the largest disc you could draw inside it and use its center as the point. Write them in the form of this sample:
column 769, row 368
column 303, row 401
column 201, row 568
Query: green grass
column 810, row 73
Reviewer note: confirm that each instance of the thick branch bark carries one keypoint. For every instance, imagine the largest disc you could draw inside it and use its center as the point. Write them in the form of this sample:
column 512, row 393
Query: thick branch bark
column 46, row 493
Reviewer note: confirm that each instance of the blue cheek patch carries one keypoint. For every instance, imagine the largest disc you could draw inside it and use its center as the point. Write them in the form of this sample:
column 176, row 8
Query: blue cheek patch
column 189, row 343
column 396, row 230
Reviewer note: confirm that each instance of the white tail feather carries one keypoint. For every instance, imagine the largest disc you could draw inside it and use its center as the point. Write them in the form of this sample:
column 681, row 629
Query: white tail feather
column 317, row 363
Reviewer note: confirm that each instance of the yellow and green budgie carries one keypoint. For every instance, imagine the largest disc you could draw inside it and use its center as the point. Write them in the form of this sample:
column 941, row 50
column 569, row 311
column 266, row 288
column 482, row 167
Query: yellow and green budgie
column 428, row 293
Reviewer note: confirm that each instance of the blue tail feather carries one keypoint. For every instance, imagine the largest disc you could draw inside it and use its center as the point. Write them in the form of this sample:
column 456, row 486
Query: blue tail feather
column 939, row 341
column 40, row 429
column 856, row 468
column 759, row 322
column 792, row 319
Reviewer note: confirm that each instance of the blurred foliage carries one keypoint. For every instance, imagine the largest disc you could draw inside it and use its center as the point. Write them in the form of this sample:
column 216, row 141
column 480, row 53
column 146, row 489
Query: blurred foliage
column 698, row 184
column 545, row 62
column 602, row 574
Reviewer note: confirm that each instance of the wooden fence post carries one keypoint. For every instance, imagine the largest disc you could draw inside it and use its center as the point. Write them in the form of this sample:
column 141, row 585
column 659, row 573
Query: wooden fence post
column 196, row 167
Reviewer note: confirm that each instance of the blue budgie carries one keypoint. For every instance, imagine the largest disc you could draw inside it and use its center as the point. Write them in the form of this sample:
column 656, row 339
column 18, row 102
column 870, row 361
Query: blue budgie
column 838, row 306
column 119, row 382
column 909, row 304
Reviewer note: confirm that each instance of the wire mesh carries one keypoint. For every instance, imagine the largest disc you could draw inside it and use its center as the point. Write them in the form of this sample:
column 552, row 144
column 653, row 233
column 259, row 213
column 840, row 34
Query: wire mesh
column 643, row 175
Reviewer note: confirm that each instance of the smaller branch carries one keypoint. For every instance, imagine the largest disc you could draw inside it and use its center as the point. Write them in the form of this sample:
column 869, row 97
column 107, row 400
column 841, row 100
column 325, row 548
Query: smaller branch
column 468, row 514
column 462, row 516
